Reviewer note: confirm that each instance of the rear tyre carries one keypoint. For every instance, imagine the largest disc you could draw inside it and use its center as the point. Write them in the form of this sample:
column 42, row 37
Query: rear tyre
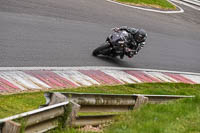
column 100, row 50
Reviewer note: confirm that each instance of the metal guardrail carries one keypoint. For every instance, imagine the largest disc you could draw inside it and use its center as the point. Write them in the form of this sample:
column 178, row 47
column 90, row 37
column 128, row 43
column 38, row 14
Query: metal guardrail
column 39, row 120
column 46, row 118
column 99, row 102
column 102, row 99
column 92, row 120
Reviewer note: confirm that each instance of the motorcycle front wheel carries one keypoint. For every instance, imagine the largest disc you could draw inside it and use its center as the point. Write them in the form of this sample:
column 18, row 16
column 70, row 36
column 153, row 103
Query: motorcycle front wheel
column 100, row 50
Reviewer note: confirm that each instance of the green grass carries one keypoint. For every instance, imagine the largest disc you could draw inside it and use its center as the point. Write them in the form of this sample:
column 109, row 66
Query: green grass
column 181, row 116
column 163, row 4
column 18, row 103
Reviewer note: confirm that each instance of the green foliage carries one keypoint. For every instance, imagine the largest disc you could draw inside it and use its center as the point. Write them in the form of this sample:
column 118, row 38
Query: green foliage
column 22, row 122
column 64, row 118
column 66, row 130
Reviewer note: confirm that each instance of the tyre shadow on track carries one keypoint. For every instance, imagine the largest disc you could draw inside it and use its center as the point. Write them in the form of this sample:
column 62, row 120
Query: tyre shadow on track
column 114, row 61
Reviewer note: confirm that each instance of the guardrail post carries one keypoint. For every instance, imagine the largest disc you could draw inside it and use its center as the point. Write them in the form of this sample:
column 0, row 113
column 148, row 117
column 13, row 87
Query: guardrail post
column 73, row 113
column 57, row 98
column 140, row 100
column 11, row 127
column 70, row 113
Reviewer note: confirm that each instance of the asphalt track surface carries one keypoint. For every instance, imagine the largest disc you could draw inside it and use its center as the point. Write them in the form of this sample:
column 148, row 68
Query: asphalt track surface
column 64, row 32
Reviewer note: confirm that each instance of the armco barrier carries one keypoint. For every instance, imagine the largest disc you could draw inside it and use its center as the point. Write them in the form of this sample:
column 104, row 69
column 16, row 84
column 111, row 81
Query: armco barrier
column 112, row 103
column 101, row 99
column 39, row 120
column 46, row 118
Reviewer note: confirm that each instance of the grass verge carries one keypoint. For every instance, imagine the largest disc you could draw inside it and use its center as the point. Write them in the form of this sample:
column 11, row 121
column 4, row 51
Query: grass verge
column 161, row 4
column 181, row 116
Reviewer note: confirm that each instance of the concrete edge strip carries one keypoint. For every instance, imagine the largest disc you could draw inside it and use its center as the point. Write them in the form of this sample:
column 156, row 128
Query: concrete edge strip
column 151, row 10
column 91, row 67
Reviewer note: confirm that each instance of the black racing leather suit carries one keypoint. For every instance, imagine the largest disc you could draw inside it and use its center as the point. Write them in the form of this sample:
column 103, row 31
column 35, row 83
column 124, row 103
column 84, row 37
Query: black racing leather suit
column 132, row 43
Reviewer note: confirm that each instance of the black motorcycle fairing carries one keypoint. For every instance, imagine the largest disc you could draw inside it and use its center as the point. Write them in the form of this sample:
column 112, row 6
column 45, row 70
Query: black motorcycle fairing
column 116, row 45
column 115, row 37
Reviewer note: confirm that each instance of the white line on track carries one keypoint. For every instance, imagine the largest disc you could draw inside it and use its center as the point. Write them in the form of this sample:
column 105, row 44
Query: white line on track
column 150, row 10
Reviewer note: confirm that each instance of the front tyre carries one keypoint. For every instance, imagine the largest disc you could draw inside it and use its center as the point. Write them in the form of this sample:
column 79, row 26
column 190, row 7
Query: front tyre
column 100, row 50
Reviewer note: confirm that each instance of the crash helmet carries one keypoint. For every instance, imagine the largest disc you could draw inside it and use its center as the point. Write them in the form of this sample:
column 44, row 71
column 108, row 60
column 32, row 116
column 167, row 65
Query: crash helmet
column 140, row 35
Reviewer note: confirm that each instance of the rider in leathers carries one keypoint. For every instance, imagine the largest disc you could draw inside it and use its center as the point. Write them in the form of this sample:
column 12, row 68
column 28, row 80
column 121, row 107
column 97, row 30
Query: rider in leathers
column 136, row 39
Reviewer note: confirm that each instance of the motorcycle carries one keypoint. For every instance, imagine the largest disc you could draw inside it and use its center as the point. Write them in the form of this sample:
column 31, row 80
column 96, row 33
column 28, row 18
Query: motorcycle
column 115, row 45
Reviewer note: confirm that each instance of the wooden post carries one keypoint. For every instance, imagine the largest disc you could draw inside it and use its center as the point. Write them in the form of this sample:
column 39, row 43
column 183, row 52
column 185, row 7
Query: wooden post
column 11, row 127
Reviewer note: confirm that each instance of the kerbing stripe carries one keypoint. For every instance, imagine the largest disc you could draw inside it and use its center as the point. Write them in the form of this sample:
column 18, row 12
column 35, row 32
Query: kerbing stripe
column 23, row 79
column 194, row 78
column 62, row 82
column 142, row 76
column 36, row 81
column 3, row 88
column 77, row 78
column 6, row 83
column 51, row 79
column 10, row 79
column 186, row 4
column 15, row 79
column 100, row 77
column 162, row 77
column 180, row 78
column 65, row 76
column 123, row 77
